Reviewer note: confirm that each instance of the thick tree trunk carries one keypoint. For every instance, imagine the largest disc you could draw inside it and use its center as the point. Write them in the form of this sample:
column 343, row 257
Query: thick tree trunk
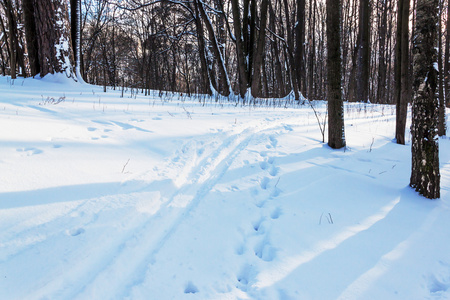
column 12, row 29
column 206, row 82
column 31, row 37
column 54, row 41
column 75, row 32
column 425, row 177
column 447, row 60
column 441, row 116
column 336, row 136
column 402, row 86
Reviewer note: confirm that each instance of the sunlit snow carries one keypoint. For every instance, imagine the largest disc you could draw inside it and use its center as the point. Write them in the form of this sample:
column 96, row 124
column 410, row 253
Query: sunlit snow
column 170, row 197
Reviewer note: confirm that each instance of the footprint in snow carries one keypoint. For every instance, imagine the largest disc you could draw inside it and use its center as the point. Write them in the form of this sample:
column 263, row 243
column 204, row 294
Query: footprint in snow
column 264, row 183
column 288, row 127
column 439, row 285
column 265, row 251
column 276, row 213
column 91, row 129
column 258, row 225
column 30, row 151
column 244, row 277
column 273, row 141
column 273, row 171
column 263, row 165
column 57, row 146
column 190, row 288
column 75, row 231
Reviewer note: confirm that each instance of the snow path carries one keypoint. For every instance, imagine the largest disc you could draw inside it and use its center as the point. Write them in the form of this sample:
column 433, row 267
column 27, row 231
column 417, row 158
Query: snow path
column 121, row 198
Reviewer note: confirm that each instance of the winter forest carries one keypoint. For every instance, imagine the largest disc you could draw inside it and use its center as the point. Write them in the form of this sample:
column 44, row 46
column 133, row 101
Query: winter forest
column 224, row 149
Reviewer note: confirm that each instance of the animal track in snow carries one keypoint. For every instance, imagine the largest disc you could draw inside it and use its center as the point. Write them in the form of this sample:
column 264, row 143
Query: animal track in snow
column 30, row 151
column 264, row 165
column 258, row 225
column 276, row 213
column 265, row 251
column 75, row 231
column 264, row 183
column 273, row 171
column 190, row 288
column 437, row 285
column 244, row 277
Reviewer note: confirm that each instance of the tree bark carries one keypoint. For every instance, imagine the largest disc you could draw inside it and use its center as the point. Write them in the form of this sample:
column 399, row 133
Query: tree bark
column 336, row 135
column 260, row 49
column 402, row 85
column 441, row 115
column 363, row 57
column 206, row 81
column 54, row 41
column 224, row 82
column 447, row 60
column 299, row 46
column 425, row 177
column 75, row 32
column 31, row 36
column 240, row 52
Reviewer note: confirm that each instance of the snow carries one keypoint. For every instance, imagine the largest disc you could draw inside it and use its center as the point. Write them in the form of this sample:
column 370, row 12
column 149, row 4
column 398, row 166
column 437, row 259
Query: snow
column 104, row 197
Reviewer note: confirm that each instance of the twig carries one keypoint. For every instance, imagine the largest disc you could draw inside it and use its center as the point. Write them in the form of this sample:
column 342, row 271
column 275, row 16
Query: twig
column 123, row 169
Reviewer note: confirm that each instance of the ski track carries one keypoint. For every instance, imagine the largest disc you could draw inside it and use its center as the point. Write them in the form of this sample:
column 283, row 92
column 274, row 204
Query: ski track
column 134, row 250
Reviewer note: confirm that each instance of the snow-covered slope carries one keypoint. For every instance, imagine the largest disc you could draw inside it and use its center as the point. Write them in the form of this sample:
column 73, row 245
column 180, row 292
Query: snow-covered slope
column 104, row 197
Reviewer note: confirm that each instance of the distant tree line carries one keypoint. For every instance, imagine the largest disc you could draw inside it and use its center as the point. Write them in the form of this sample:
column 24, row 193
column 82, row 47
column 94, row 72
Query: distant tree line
column 352, row 50
column 269, row 48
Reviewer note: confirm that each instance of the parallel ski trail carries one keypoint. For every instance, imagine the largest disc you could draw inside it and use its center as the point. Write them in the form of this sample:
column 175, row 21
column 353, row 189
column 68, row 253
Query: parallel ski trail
column 121, row 261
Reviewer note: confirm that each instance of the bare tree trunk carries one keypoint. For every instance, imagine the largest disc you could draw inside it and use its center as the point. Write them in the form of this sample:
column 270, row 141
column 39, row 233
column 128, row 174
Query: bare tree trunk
column 260, row 49
column 299, row 45
column 206, row 82
column 382, row 68
column 363, row 57
column 336, row 135
column 53, row 31
column 441, row 116
column 447, row 60
column 12, row 28
column 401, row 89
column 31, row 37
column 425, row 177
column 224, row 82
column 75, row 32
column 290, row 43
column 240, row 53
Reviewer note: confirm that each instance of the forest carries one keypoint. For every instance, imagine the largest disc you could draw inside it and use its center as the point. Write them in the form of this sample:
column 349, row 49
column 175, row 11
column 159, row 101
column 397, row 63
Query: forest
column 366, row 51
column 224, row 149
column 201, row 46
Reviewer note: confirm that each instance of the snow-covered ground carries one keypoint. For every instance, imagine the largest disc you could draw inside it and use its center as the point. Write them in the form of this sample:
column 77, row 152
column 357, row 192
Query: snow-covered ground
column 104, row 197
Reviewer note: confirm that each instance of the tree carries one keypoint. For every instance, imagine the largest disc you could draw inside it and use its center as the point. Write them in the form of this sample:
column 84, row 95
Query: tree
column 363, row 56
column 31, row 36
column 300, row 46
column 336, row 135
column 53, row 36
column 425, row 177
column 441, row 116
column 75, row 32
column 401, row 88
